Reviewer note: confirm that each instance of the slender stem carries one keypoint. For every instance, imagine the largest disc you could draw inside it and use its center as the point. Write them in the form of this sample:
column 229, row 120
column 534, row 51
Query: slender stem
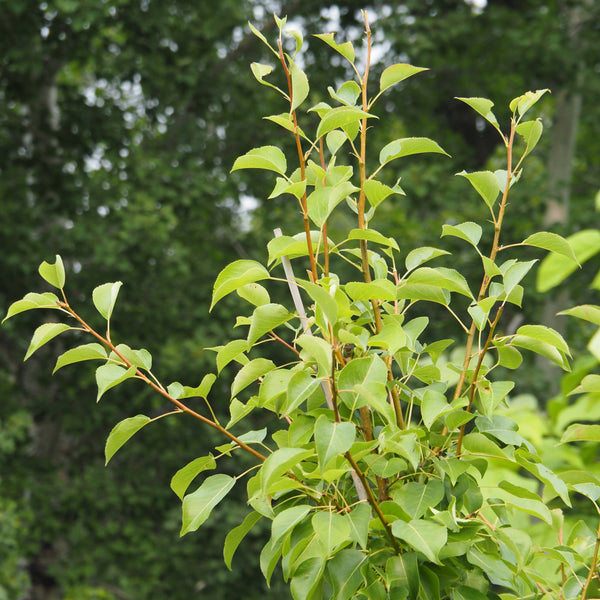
column 302, row 161
column 476, row 375
column 593, row 566
column 324, row 229
column 373, row 502
column 158, row 388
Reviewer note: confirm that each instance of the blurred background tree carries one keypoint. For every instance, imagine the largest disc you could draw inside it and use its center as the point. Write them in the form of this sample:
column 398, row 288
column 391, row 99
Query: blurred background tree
column 119, row 122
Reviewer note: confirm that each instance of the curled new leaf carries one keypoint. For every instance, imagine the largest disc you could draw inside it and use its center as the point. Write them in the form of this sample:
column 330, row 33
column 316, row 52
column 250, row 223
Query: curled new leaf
column 54, row 274
column 345, row 49
column 122, row 432
column 182, row 479
column 397, row 73
column 110, row 375
column 105, row 296
column 32, row 301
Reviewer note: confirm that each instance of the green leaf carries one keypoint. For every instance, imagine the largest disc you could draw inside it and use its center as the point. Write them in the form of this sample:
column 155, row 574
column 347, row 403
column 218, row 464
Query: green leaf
column 32, row 301
column 266, row 318
column 322, row 201
column 531, row 132
column 368, row 372
column 182, row 479
column 341, row 117
column 54, row 274
column 555, row 268
column 344, row 571
column 377, row 192
column 110, row 375
column 345, row 49
column 396, row 73
column 434, row 405
column 392, row 336
column 233, row 350
column 307, row 578
column 254, row 293
column 378, row 289
column 43, row 334
column 581, row 433
column 318, row 350
column 514, row 274
column 300, row 86
column 551, row 242
column 237, row 534
column 373, row 236
column 479, row 444
column 293, row 246
column 469, row 231
column 408, row 146
column 448, row 279
column 483, row 106
column 121, row 432
column 418, row 256
column 287, row 519
column 198, row 505
column 587, row 312
column 323, row 299
column 485, row 183
column 523, row 103
column 260, row 71
column 249, row 373
column 418, row 291
column 285, row 120
column 81, row 353
column 235, row 275
column 346, row 94
column 544, row 334
column 138, row 358
column 105, row 296
column 426, row 537
column 332, row 439
column 417, row 498
column 269, row 158
column 332, row 529
column 300, row 387
column 279, row 463
column 359, row 518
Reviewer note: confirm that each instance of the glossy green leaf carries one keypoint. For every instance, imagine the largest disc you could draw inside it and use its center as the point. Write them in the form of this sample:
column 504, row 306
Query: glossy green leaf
column 237, row 534
column 378, row 289
column 545, row 334
column 417, row 498
column 419, row 291
column 110, row 375
column 121, row 432
column 287, row 519
column 344, row 573
column 307, row 578
column 323, row 299
column 425, row 536
column 369, row 372
column 235, row 275
column 316, row 349
column 418, row 256
column 266, row 318
column 293, row 246
column 345, row 49
column 469, row 231
column 300, row 387
column 523, row 103
column 105, row 296
column 341, row 117
column 184, row 477
column 233, row 350
column 254, row 293
column 483, row 106
column 555, row 268
column 260, row 71
column 479, row 444
column 285, row 120
column 377, row 192
column 396, row 73
column 279, row 463
column 347, row 93
column 249, row 373
column 551, row 242
column 531, row 132
column 54, row 274
column 373, row 236
column 485, row 183
column 198, row 505
column 514, row 275
column 448, row 279
column 43, row 334
column 32, row 301
column 359, row 518
column 587, row 312
column 332, row 439
column 322, row 201
column 434, row 405
column 581, row 433
column 391, row 336
column 80, row 353
column 407, row 147
column 138, row 358
column 332, row 529
column 300, row 87
column 269, row 158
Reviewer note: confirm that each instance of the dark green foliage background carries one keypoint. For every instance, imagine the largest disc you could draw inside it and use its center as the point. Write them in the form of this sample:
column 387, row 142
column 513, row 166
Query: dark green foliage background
column 131, row 183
